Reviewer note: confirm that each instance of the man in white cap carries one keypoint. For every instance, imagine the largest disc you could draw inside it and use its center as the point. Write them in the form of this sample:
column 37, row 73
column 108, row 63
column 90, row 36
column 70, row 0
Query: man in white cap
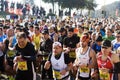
column 60, row 62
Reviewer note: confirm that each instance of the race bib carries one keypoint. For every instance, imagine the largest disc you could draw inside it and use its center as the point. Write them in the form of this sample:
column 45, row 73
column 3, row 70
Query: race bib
column 104, row 75
column 84, row 70
column 11, row 53
column 56, row 74
column 22, row 66
column 72, row 55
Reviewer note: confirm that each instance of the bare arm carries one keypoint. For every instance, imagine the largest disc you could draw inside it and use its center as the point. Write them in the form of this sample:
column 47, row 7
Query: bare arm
column 2, row 46
column 47, row 65
column 93, row 62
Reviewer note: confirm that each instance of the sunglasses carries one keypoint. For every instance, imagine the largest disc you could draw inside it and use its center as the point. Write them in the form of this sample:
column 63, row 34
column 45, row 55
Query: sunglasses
column 104, row 47
column 117, row 36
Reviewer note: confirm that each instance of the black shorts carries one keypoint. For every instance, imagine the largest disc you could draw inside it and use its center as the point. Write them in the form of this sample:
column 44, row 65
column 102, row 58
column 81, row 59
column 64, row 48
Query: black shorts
column 24, row 76
column 83, row 78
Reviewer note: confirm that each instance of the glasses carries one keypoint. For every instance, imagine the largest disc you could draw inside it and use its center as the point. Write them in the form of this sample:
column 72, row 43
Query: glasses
column 104, row 47
column 117, row 36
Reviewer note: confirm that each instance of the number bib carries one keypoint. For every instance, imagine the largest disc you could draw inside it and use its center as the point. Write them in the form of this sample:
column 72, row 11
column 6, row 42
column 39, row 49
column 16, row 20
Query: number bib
column 104, row 75
column 22, row 66
column 72, row 55
column 56, row 74
column 11, row 53
column 84, row 70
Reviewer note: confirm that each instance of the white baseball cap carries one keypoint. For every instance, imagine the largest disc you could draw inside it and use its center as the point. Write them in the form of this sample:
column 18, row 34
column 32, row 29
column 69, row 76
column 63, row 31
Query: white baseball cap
column 57, row 44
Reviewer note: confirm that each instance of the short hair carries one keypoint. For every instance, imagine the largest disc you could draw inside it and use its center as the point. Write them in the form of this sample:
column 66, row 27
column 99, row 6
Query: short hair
column 21, row 35
column 18, row 28
column 71, row 30
column 44, row 20
column 37, row 28
column 31, row 26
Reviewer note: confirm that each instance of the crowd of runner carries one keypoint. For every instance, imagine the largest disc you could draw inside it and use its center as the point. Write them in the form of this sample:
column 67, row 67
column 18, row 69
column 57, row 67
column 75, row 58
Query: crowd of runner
column 69, row 49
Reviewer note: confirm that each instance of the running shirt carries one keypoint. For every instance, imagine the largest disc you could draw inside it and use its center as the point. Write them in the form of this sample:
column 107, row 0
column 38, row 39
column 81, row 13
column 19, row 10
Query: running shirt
column 83, row 59
column 58, row 65
column 71, row 42
column 105, row 64
column 116, row 44
column 26, row 68
column 36, row 41
column 2, row 38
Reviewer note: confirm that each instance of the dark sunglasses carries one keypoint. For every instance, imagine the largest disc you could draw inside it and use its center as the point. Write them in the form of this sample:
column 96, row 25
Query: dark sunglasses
column 104, row 47
column 117, row 36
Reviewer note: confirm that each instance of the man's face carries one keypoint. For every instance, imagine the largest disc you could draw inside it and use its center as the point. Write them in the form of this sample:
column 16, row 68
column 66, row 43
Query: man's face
column 105, row 50
column 36, row 31
column 108, row 33
column 97, row 28
column 70, row 34
column 45, row 36
column 57, row 49
column 5, row 30
column 83, row 44
column 31, row 29
column 10, row 33
column 62, row 33
column 117, row 37
column 99, row 43
column 22, row 42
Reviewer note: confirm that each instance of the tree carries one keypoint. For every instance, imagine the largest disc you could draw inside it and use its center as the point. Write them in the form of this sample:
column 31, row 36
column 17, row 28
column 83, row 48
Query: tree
column 70, row 4
column 31, row 2
column 90, row 5
column 78, row 4
column 52, row 2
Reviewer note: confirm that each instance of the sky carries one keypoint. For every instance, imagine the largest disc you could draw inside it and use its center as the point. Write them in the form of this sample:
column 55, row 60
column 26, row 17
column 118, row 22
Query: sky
column 104, row 2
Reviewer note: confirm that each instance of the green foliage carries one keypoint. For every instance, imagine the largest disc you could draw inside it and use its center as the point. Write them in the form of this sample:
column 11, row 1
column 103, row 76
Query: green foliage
column 78, row 4
column 52, row 2
column 90, row 5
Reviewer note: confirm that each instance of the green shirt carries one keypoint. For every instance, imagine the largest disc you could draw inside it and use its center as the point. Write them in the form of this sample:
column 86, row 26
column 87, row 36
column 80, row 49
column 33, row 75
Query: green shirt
column 108, row 38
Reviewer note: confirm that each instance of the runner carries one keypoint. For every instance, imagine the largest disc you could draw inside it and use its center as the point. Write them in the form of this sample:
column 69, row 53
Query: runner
column 60, row 62
column 107, row 61
column 24, row 59
column 36, row 38
column 70, row 44
column 45, row 50
column 116, row 41
column 85, row 59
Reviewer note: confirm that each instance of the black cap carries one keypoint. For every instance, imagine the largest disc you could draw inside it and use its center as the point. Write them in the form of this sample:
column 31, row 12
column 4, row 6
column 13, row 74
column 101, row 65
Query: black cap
column 99, row 23
column 62, row 30
column 106, row 43
column 71, row 29
column 45, row 32
column 99, row 39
